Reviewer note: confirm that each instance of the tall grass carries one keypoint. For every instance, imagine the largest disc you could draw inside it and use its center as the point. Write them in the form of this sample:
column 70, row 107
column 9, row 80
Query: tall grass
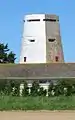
column 37, row 103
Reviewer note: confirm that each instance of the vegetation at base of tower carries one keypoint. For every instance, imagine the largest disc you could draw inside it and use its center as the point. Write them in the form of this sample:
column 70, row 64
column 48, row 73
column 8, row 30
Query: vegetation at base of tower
column 6, row 56
column 60, row 96
column 14, row 87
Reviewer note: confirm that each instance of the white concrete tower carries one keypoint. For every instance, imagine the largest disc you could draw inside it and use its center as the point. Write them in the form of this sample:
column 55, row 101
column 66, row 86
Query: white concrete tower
column 41, row 41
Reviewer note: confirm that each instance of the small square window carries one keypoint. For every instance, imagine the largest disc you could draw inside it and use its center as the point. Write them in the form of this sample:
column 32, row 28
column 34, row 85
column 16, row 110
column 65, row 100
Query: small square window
column 24, row 59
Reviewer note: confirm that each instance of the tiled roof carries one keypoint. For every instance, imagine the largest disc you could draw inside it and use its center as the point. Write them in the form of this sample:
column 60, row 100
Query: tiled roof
column 38, row 70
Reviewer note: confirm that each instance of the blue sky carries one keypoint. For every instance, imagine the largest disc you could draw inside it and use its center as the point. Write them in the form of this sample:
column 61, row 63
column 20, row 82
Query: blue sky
column 11, row 26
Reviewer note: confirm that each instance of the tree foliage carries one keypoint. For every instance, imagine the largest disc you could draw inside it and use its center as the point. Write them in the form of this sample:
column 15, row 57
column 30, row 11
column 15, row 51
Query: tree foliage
column 34, row 88
column 25, row 91
column 42, row 92
column 6, row 56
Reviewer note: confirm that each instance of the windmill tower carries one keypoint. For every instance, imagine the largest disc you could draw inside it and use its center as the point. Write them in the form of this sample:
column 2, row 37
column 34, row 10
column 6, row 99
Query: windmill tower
column 41, row 41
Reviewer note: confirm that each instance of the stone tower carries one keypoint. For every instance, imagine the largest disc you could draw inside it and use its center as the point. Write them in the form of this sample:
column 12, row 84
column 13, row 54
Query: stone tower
column 41, row 40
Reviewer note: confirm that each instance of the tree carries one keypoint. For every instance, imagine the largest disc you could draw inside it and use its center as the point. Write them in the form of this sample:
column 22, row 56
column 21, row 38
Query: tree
column 11, row 57
column 6, row 57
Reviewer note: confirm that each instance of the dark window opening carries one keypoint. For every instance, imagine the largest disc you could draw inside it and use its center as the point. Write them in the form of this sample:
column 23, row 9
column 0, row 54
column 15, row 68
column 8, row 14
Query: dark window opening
column 42, row 81
column 24, row 59
column 52, row 20
column 32, row 40
column 56, row 58
column 33, row 20
column 51, row 39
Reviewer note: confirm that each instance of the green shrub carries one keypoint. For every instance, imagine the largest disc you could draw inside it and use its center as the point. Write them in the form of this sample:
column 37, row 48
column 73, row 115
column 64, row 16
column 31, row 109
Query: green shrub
column 67, row 85
column 25, row 91
column 73, row 89
column 34, row 88
column 69, row 90
column 59, row 88
column 2, row 85
column 8, row 88
column 42, row 92
column 50, row 88
column 15, row 86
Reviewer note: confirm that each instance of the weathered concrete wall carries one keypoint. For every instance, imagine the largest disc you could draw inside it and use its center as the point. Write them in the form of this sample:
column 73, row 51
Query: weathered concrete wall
column 54, row 48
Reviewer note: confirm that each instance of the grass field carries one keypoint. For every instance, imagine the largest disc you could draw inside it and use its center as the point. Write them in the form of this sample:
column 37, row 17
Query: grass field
column 37, row 103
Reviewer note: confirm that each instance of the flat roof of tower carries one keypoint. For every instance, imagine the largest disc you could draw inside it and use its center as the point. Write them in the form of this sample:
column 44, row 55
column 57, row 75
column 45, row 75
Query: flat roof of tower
column 42, row 14
column 30, row 16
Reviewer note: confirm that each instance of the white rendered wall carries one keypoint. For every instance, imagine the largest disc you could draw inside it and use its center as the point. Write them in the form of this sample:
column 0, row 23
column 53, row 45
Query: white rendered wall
column 35, row 52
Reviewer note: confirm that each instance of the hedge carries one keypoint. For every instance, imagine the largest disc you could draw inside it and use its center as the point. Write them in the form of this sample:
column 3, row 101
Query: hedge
column 12, row 87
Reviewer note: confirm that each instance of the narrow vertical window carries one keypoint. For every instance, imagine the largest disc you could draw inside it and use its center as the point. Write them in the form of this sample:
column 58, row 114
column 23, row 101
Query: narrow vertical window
column 56, row 58
column 24, row 59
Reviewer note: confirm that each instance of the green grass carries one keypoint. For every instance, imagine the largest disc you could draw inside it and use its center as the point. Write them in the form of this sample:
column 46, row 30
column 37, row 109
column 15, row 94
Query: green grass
column 37, row 103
